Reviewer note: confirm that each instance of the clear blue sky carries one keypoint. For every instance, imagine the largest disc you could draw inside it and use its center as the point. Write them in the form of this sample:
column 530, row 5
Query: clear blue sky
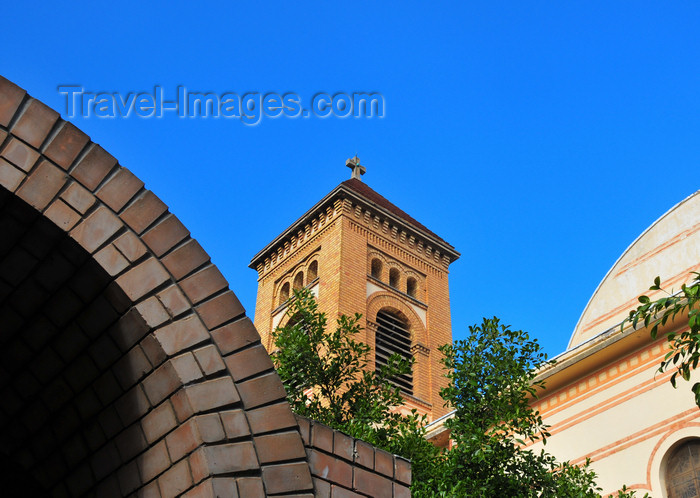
column 538, row 138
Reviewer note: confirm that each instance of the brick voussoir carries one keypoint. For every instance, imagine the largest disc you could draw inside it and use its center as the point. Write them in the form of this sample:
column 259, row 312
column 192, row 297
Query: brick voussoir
column 287, row 477
column 12, row 96
column 182, row 335
column 185, row 258
column 248, row 362
column 236, row 335
column 203, row 284
column 65, row 146
column 165, row 235
column 119, row 189
column 93, row 167
column 35, row 122
column 220, row 309
column 143, row 211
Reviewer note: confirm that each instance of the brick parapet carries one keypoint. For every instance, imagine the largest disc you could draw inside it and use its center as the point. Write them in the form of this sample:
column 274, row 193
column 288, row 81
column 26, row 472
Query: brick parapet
column 344, row 466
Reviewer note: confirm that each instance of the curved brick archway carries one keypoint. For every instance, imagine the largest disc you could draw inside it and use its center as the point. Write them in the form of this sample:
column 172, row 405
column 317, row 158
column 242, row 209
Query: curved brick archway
column 127, row 364
column 386, row 300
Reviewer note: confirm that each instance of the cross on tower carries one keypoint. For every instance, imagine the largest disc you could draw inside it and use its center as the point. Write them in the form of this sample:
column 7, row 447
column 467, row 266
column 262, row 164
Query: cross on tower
column 357, row 169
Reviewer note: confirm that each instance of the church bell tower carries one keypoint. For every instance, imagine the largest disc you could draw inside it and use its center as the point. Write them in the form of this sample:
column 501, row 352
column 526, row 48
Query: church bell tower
column 359, row 253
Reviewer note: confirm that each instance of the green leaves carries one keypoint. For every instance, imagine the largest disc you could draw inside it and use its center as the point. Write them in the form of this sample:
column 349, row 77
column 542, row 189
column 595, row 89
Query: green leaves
column 327, row 378
column 684, row 347
column 491, row 385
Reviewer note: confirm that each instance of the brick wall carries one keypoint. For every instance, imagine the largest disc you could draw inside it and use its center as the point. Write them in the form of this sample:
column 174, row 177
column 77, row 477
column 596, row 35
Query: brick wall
column 343, row 236
column 344, row 467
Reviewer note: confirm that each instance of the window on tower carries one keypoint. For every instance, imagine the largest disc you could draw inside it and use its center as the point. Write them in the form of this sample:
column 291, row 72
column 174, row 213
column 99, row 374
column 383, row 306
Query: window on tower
column 411, row 286
column 393, row 336
column 284, row 293
column 299, row 281
column 394, row 278
column 312, row 274
column 376, row 269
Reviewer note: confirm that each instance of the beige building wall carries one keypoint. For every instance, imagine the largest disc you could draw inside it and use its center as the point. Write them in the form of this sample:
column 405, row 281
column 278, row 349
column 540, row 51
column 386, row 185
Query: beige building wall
column 605, row 399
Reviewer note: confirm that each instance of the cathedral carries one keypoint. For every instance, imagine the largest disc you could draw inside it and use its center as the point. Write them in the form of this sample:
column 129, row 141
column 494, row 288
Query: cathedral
column 604, row 399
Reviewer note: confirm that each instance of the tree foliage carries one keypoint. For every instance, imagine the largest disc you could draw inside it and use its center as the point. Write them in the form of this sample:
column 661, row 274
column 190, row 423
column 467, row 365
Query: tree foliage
column 327, row 378
column 491, row 383
column 684, row 354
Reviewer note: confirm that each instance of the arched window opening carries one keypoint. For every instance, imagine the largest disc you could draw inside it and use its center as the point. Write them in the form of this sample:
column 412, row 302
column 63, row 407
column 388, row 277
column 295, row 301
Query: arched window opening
column 294, row 320
column 284, row 293
column 312, row 274
column 683, row 471
column 394, row 278
column 299, row 281
column 376, row 269
column 411, row 287
column 393, row 336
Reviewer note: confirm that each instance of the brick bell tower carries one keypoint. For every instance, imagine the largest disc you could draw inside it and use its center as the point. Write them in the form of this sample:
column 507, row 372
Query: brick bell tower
column 359, row 253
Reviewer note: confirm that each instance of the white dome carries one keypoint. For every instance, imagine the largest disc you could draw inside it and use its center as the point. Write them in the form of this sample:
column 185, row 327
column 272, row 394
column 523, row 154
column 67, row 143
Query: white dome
column 669, row 248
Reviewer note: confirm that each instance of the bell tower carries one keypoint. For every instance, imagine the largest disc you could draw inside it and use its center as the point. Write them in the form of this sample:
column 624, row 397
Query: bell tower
column 359, row 253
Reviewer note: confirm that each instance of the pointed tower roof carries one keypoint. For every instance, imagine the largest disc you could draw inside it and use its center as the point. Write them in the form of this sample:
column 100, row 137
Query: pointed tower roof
column 362, row 195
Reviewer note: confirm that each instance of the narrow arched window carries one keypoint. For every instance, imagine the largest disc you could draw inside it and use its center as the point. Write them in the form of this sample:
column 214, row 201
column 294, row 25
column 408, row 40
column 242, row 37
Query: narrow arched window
column 299, row 281
column 394, row 278
column 393, row 336
column 312, row 274
column 376, row 269
column 284, row 293
column 411, row 286
column 683, row 470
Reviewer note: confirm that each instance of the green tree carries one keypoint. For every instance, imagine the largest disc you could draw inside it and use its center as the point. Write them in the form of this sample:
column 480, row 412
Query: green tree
column 327, row 378
column 684, row 354
column 491, row 382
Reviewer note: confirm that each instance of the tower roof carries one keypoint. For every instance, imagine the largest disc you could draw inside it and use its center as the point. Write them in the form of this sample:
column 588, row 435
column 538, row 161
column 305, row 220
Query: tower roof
column 359, row 192
column 372, row 195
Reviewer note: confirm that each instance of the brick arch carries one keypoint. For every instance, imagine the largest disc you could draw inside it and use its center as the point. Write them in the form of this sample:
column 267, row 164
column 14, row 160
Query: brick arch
column 133, row 365
column 386, row 300
column 420, row 283
column 372, row 255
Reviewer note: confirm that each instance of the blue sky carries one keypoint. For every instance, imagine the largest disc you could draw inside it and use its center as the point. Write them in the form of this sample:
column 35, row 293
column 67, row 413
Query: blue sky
column 539, row 139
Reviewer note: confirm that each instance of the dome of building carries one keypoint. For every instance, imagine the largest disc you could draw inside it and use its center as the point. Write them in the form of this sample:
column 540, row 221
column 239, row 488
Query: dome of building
column 669, row 248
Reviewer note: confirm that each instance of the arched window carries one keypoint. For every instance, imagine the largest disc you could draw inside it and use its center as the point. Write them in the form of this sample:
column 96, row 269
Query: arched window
column 683, row 470
column 394, row 278
column 299, row 281
column 393, row 336
column 284, row 293
column 376, row 269
column 411, row 287
column 312, row 274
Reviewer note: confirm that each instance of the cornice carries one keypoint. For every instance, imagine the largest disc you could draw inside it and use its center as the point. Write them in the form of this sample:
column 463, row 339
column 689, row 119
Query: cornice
column 344, row 201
